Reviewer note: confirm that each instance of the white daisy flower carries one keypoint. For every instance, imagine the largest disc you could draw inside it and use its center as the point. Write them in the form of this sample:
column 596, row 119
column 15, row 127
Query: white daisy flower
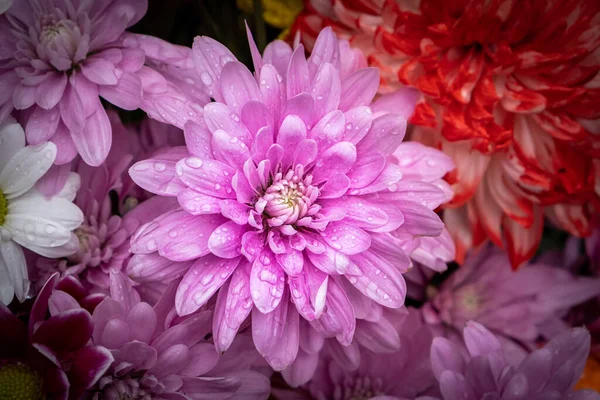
column 27, row 218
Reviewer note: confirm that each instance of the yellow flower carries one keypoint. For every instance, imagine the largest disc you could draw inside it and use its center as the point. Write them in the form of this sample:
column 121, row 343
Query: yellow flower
column 278, row 13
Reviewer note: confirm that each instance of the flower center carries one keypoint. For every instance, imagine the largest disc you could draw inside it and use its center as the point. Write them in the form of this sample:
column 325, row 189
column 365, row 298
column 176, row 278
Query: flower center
column 470, row 301
column 18, row 381
column 289, row 200
column 3, row 208
column 360, row 388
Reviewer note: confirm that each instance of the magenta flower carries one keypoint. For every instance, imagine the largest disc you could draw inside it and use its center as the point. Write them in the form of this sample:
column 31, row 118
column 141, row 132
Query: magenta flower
column 545, row 374
column 57, row 58
column 404, row 374
column 287, row 197
column 51, row 357
column 111, row 215
column 519, row 306
column 156, row 356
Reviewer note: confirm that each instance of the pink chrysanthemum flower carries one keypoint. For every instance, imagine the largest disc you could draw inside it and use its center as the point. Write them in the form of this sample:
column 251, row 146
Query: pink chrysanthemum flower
column 549, row 373
column 110, row 209
column 157, row 356
column 52, row 357
column 57, row 59
column 520, row 306
column 287, row 196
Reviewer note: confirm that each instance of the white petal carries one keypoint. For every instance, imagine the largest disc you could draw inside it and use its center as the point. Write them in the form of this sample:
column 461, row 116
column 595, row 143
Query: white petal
column 14, row 260
column 69, row 191
column 25, row 168
column 35, row 230
column 59, row 210
column 6, row 287
column 65, row 250
column 12, row 139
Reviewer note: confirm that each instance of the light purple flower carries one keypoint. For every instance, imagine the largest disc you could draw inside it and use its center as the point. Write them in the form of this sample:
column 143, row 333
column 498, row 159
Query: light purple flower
column 549, row 373
column 173, row 92
column 519, row 306
column 57, row 58
column 111, row 215
column 287, row 197
column 158, row 355
column 404, row 374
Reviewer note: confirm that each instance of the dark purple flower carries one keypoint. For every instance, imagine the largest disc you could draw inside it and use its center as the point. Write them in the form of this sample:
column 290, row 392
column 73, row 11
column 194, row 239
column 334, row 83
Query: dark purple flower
column 51, row 357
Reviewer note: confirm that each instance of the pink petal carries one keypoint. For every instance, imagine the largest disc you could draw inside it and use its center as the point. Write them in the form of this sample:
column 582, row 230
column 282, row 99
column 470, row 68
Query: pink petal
column 339, row 158
column 390, row 174
column 51, row 331
column 386, row 133
column 155, row 268
column 358, row 123
column 157, row 175
column 226, row 240
column 87, row 91
column 378, row 279
column 50, row 91
column 306, row 152
column 126, row 94
column 277, row 54
column 210, row 177
column 338, row 316
column 301, row 105
column 220, row 116
column 65, row 148
column 41, row 125
column 99, row 71
column 418, row 219
column 329, row 130
column 267, row 282
column 479, row 340
column 272, row 89
column 336, row 186
column 346, row 238
column 229, row 149
column 359, row 212
column 121, row 290
column 238, row 86
column 72, row 109
column 445, row 356
column 359, row 88
column 252, row 244
column 366, row 169
column 267, row 329
column 209, row 388
column 203, row 279
column 197, row 203
column 301, row 370
column 89, row 364
column 209, row 58
column 142, row 319
column 298, row 79
column 171, row 361
column 326, row 90
column 54, row 180
column 330, row 261
column 179, row 236
column 255, row 53
column 234, row 304
column 198, row 139
column 291, row 133
column 325, row 50
column 255, row 115
column 94, row 141
column 380, row 337
column 309, row 291
column 235, row 211
column 284, row 351
column 401, row 102
column 23, row 96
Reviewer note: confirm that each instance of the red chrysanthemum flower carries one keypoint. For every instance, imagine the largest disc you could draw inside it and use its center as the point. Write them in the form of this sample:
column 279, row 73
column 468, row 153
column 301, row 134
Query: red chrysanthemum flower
column 510, row 90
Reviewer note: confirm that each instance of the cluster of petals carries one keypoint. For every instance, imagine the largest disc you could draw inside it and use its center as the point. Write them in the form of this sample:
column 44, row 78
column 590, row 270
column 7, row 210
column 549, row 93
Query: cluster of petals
column 404, row 374
column 113, row 209
column 519, row 306
column 484, row 373
column 159, row 355
column 51, row 356
column 57, row 59
column 28, row 219
column 513, row 101
column 287, row 196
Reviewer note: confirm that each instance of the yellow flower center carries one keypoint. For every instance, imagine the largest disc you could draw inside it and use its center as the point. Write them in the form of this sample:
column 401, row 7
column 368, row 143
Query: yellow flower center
column 3, row 208
column 591, row 375
column 277, row 13
column 19, row 382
